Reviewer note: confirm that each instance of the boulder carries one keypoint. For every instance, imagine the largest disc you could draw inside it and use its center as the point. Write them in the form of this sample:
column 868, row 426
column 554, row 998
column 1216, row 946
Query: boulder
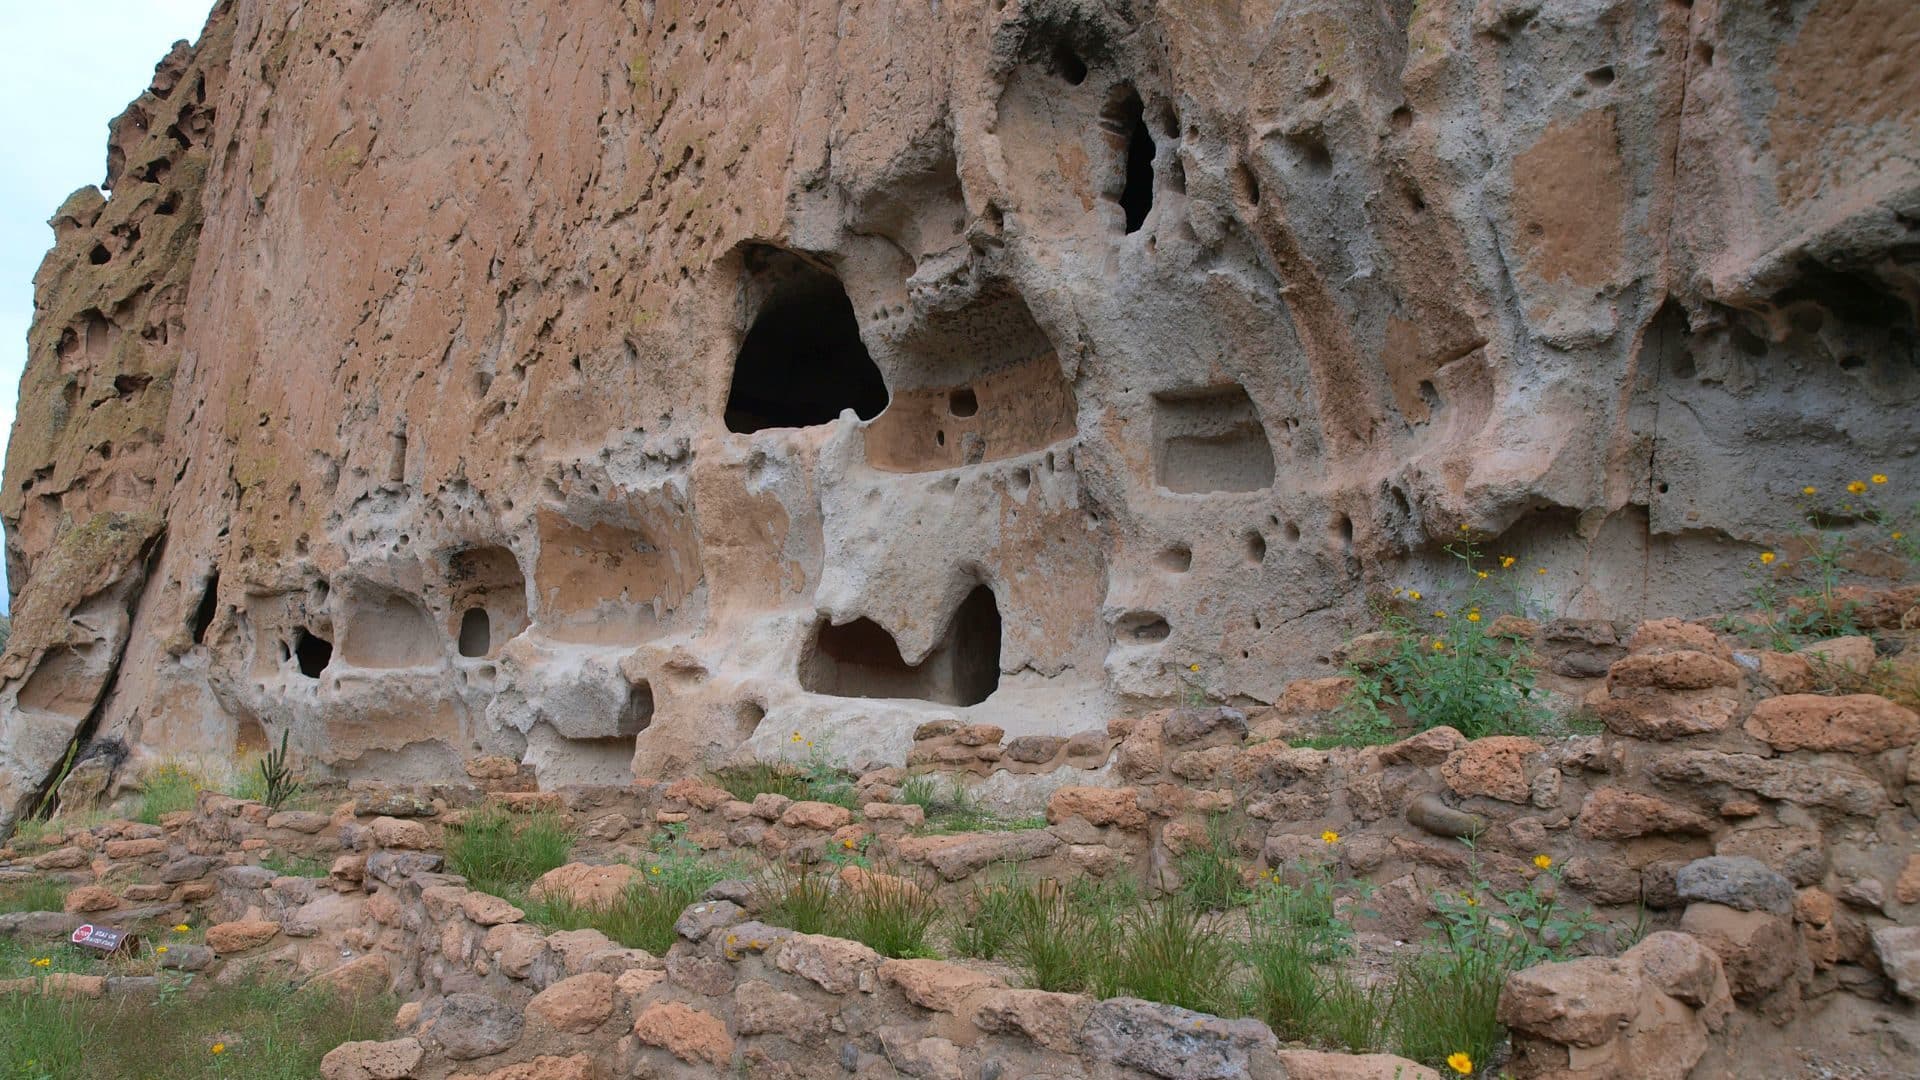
column 689, row 1034
column 577, row 1004
column 1737, row 882
column 1854, row 724
column 395, row 1060
column 474, row 1026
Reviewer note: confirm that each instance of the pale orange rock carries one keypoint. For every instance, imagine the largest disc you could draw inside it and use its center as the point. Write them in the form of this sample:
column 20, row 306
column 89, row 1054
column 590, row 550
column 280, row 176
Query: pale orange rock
column 1856, row 723
column 687, row 1033
column 576, row 1004
column 1118, row 807
column 1493, row 767
column 232, row 937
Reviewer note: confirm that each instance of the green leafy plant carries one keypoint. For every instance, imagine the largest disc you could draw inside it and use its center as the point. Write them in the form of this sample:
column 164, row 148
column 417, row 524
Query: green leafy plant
column 500, row 852
column 1444, row 666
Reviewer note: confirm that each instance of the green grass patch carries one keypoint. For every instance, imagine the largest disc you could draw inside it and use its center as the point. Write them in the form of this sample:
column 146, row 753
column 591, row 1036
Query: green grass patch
column 890, row 914
column 673, row 875
column 957, row 810
column 251, row 1031
column 36, row 894
column 287, row 865
column 502, row 853
column 167, row 789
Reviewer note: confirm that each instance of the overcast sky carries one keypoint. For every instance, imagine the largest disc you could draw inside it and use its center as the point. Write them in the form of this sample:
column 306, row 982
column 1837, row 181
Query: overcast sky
column 72, row 65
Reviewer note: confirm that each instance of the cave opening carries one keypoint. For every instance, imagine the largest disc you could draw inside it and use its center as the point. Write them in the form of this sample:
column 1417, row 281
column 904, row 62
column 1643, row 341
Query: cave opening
column 861, row 658
column 637, row 714
column 476, row 633
column 313, row 653
column 204, row 611
column 802, row 362
column 1136, row 196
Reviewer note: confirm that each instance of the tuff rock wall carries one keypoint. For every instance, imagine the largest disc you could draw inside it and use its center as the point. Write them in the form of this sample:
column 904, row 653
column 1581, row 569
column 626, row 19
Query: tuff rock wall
column 622, row 385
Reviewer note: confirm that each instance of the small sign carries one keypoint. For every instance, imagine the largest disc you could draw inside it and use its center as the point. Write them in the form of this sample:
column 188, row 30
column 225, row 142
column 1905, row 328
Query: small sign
column 105, row 939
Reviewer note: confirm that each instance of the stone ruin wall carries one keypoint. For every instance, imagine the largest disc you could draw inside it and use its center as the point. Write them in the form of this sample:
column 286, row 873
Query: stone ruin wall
column 422, row 388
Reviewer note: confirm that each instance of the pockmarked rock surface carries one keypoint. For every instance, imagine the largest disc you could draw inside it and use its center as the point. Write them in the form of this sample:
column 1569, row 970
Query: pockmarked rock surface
column 697, row 380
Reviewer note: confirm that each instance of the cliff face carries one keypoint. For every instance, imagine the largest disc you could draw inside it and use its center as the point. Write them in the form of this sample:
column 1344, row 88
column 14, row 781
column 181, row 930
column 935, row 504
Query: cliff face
column 613, row 385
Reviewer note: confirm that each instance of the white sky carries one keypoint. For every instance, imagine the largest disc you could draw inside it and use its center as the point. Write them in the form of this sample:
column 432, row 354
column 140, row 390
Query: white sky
column 72, row 66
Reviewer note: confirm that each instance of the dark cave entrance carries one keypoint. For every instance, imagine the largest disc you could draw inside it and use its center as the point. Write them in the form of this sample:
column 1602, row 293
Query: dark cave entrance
column 861, row 659
column 476, row 633
column 1136, row 197
column 205, row 610
column 803, row 360
column 313, row 653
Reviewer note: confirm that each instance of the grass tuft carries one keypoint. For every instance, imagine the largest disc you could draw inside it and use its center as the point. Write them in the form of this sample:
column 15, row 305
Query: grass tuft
column 502, row 853
column 36, row 894
column 166, row 789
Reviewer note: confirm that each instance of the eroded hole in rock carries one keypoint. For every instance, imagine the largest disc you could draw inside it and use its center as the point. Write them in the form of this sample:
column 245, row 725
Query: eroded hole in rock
column 1340, row 529
column 637, row 715
column 1664, row 346
column 204, row 611
column 1210, row 440
column 861, row 659
column 397, row 458
column 1600, row 76
column 387, row 630
column 1255, row 546
column 311, row 652
column 1143, row 627
column 1067, row 64
column 963, row 402
column 1310, row 150
column 746, row 718
column 476, row 633
column 1136, row 194
column 489, row 592
column 1177, row 559
column 802, row 361
column 99, row 256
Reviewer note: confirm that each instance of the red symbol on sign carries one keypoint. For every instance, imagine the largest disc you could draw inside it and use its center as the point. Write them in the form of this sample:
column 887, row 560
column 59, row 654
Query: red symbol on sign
column 82, row 934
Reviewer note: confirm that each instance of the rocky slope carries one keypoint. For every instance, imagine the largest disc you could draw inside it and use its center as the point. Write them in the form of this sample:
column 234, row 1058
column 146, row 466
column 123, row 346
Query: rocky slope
column 613, row 385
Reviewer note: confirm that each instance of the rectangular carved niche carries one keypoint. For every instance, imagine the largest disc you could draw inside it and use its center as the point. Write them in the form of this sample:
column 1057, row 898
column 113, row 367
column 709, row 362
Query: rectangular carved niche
column 1210, row 440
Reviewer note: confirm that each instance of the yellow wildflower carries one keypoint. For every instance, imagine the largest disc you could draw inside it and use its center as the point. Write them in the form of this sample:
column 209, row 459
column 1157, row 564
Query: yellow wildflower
column 1879, row 478
column 1439, row 646
column 1543, row 861
column 1464, row 526
column 1473, row 616
column 1329, row 837
column 1767, row 557
column 1473, row 901
column 653, row 870
column 1857, row 487
column 1899, row 536
column 797, row 737
column 1413, row 594
column 1193, row 667
column 1460, row 1063
column 217, row 1048
column 1439, row 614
column 1481, row 574
column 160, row 948
column 182, row 928
column 848, row 844
column 1809, row 490
column 42, row 961
column 1507, row 561
column 1541, row 571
